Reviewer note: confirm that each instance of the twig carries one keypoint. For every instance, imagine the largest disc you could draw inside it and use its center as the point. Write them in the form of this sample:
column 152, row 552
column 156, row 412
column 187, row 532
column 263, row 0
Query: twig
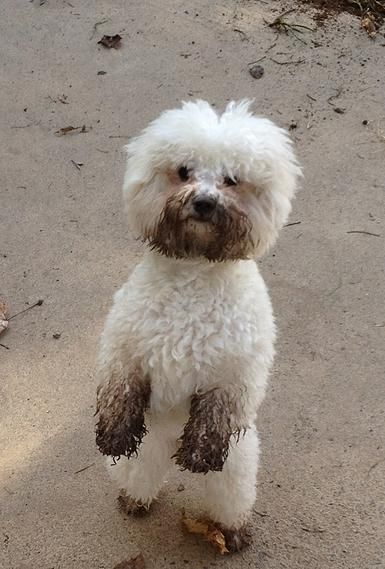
column 262, row 514
column 268, row 49
column 292, row 223
column 338, row 94
column 84, row 468
column 310, row 97
column 287, row 62
column 38, row 303
column 243, row 34
column 278, row 19
column 282, row 26
column 374, row 466
column 314, row 530
column 365, row 232
column 23, row 126
column 257, row 60
column 118, row 136
column 77, row 164
column 4, row 346
column 95, row 28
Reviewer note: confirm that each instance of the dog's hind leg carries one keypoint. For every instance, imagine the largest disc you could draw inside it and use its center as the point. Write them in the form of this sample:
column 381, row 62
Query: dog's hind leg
column 230, row 494
column 141, row 477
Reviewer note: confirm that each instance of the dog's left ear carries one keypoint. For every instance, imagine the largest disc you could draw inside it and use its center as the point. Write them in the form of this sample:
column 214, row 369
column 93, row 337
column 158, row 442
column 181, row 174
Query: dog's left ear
column 282, row 173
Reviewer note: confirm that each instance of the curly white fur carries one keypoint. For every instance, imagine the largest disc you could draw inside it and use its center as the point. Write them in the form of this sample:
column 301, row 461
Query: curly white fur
column 194, row 325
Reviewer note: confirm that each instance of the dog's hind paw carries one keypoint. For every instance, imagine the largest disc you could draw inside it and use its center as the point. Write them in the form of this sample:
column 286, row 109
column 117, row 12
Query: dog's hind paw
column 131, row 507
column 236, row 539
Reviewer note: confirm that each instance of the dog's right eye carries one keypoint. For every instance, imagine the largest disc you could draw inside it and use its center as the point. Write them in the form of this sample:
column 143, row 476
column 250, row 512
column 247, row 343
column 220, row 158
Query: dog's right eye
column 183, row 173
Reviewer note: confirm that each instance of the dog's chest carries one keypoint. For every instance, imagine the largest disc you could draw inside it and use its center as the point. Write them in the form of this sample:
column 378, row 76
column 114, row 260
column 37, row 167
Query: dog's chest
column 185, row 331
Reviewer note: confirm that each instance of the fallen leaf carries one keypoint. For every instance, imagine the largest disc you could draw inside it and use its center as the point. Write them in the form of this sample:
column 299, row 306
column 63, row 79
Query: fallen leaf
column 208, row 531
column 3, row 316
column 134, row 563
column 68, row 129
column 111, row 41
column 256, row 71
column 369, row 25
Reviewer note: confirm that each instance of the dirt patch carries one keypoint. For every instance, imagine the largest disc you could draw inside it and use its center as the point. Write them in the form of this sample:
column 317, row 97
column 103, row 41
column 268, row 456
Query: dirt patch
column 372, row 9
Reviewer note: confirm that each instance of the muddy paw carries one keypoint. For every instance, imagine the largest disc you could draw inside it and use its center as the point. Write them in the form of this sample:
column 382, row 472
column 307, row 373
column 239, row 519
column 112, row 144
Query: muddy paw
column 237, row 539
column 132, row 507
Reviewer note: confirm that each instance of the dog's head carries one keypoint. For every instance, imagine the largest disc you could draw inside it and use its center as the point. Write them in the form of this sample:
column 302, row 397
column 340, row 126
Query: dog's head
column 199, row 184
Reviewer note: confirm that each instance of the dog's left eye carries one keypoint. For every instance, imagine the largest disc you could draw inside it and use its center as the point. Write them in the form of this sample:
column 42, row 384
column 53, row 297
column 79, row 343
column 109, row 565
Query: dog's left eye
column 230, row 181
column 183, row 173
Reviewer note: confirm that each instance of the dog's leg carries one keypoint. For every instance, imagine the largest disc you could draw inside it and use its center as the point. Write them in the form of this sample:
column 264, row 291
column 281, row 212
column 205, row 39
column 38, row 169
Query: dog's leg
column 216, row 416
column 122, row 399
column 141, row 477
column 230, row 494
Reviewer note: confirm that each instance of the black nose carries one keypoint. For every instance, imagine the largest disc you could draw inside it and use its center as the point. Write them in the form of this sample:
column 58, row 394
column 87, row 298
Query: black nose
column 204, row 206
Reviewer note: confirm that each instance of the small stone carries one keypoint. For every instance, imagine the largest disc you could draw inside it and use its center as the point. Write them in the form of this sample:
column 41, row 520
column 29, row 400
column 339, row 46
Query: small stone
column 256, row 71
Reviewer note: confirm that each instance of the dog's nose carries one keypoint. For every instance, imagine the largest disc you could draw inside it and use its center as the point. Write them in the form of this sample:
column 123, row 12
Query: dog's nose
column 204, row 206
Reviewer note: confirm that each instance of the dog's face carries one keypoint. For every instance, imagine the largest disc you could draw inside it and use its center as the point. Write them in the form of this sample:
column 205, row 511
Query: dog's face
column 203, row 185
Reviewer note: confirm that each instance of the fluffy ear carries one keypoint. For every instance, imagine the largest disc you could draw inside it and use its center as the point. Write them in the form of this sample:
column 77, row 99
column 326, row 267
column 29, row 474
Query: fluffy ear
column 280, row 176
column 141, row 195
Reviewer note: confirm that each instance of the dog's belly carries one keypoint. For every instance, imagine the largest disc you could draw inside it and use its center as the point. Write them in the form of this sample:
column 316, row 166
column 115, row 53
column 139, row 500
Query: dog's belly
column 192, row 334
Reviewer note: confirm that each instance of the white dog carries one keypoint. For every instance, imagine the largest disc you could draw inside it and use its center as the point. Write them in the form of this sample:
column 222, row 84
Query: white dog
column 188, row 344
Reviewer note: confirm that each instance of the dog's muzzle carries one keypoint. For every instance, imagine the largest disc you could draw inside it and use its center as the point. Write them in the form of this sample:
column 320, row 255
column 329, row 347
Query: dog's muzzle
column 204, row 207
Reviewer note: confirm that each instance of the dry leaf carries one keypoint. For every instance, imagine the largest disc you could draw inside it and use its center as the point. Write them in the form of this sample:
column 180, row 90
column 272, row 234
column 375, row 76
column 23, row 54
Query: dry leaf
column 3, row 317
column 68, row 129
column 368, row 24
column 111, row 41
column 134, row 563
column 208, row 531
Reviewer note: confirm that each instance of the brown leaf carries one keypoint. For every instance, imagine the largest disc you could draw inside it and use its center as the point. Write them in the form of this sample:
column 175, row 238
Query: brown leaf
column 3, row 316
column 369, row 25
column 134, row 563
column 208, row 531
column 68, row 129
column 111, row 41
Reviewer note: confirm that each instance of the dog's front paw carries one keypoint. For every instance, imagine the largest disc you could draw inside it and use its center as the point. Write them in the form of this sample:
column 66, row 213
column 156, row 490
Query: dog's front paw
column 201, row 454
column 206, row 435
column 121, row 408
column 119, row 436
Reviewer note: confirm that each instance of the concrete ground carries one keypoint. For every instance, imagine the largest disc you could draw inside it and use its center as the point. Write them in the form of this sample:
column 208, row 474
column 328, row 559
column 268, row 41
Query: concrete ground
column 63, row 239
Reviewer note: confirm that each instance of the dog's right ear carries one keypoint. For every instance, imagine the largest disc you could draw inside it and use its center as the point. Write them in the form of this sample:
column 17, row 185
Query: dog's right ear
column 143, row 193
column 121, row 406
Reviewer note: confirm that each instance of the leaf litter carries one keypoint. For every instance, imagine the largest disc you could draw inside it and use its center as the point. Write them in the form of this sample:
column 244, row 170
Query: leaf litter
column 208, row 531
column 111, row 41
column 75, row 129
column 371, row 12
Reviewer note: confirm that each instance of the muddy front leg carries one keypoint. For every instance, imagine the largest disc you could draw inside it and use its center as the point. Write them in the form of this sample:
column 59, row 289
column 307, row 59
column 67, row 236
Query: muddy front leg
column 215, row 417
column 122, row 400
